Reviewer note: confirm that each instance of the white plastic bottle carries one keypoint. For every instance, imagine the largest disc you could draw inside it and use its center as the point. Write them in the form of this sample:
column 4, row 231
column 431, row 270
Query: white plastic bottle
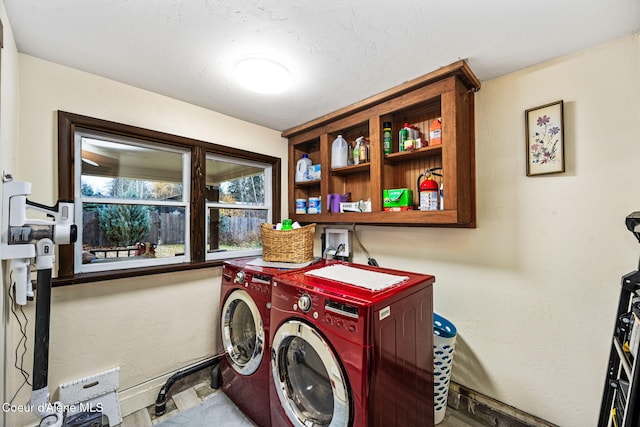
column 339, row 152
column 302, row 168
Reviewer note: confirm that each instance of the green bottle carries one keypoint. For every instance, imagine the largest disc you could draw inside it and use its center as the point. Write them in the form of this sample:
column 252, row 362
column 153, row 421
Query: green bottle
column 287, row 224
column 356, row 153
column 404, row 136
column 387, row 141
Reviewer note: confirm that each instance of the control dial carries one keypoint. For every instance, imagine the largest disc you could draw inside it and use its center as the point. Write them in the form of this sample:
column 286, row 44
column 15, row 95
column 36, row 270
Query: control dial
column 239, row 277
column 304, row 302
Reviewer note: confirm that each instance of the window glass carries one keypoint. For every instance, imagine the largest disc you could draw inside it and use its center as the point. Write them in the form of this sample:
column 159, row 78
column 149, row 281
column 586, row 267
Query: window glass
column 139, row 210
column 134, row 207
column 130, row 171
column 238, row 201
column 243, row 334
column 309, row 382
column 237, row 183
column 117, row 232
column 235, row 229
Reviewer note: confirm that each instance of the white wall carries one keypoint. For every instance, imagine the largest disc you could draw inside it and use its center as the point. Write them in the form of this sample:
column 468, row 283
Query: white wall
column 533, row 289
column 147, row 326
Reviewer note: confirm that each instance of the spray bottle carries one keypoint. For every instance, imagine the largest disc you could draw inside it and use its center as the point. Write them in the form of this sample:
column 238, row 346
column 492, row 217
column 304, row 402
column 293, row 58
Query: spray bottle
column 403, row 137
column 356, row 152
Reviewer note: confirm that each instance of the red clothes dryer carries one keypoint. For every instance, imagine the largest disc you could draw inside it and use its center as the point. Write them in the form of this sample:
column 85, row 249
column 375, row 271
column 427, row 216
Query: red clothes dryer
column 244, row 324
column 351, row 345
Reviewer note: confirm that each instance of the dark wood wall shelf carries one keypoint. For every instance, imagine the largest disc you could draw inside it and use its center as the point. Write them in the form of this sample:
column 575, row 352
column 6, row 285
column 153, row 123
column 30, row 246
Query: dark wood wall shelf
column 306, row 184
column 435, row 150
column 347, row 170
column 447, row 93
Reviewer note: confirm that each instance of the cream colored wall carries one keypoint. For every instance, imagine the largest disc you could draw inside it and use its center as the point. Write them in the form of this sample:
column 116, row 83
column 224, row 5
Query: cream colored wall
column 8, row 143
column 533, row 289
column 46, row 87
column 8, row 96
column 148, row 326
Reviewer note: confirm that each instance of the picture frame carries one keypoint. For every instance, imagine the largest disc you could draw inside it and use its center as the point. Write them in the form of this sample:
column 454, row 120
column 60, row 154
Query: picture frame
column 545, row 139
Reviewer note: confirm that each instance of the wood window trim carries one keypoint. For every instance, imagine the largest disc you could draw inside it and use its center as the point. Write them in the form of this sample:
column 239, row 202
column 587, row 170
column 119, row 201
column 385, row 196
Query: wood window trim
column 67, row 124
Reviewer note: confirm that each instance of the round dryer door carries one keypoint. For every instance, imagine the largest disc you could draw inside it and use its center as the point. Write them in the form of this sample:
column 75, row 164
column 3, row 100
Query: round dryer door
column 242, row 332
column 308, row 378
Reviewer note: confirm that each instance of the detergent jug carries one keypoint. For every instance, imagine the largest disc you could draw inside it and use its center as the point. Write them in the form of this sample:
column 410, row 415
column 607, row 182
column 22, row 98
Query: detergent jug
column 339, row 152
column 435, row 132
column 302, row 168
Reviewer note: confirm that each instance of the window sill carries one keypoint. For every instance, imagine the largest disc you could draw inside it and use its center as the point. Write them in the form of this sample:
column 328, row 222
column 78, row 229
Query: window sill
column 131, row 272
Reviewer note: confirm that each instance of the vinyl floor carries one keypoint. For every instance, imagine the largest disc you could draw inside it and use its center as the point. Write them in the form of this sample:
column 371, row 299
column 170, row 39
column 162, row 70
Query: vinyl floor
column 200, row 406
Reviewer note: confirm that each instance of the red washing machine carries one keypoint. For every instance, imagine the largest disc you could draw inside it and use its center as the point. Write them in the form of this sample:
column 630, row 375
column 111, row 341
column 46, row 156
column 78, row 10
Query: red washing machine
column 244, row 324
column 351, row 345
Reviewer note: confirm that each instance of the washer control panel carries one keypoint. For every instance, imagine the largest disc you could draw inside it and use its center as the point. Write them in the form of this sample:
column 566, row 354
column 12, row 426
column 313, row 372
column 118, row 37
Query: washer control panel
column 341, row 317
column 342, row 308
column 252, row 281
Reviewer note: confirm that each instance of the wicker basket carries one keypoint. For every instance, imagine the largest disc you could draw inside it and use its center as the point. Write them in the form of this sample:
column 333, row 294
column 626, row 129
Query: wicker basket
column 287, row 245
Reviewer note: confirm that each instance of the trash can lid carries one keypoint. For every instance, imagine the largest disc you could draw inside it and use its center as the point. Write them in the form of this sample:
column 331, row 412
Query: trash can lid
column 442, row 327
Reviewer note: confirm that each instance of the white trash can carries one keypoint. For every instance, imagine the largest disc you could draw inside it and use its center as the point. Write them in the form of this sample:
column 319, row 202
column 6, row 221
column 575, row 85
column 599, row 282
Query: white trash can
column 444, row 341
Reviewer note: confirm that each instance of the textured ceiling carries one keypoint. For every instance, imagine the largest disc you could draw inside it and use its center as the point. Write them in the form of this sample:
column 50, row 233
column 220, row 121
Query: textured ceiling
column 339, row 51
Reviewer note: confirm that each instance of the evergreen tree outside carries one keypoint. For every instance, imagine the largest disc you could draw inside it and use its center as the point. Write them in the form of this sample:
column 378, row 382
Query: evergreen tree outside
column 124, row 225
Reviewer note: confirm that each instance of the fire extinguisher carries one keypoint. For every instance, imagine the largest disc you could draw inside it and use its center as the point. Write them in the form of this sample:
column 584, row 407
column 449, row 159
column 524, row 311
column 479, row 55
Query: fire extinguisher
column 428, row 190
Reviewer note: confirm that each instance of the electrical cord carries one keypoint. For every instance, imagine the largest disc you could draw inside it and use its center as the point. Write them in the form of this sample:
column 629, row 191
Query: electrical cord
column 327, row 249
column 335, row 251
column 370, row 261
column 22, row 342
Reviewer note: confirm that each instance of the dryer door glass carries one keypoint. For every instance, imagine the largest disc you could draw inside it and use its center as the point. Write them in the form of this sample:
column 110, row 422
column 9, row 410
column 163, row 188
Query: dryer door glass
column 242, row 332
column 308, row 377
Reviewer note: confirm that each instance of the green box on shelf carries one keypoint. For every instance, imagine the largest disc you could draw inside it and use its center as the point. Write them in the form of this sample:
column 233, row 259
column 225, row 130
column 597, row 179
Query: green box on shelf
column 397, row 197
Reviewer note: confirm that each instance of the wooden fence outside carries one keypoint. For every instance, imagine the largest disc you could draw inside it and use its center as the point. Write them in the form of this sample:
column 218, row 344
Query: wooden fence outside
column 169, row 229
column 239, row 230
column 166, row 228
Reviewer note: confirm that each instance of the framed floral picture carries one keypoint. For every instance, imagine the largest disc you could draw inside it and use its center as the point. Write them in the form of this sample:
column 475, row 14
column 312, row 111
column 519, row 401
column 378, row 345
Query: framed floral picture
column 545, row 139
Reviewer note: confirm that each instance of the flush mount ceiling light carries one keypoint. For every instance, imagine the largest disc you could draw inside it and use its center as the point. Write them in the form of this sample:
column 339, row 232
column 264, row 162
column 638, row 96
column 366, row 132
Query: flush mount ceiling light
column 262, row 75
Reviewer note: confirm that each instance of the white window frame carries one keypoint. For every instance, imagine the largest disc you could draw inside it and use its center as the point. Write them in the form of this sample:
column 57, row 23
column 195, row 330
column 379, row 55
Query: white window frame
column 268, row 206
column 80, row 200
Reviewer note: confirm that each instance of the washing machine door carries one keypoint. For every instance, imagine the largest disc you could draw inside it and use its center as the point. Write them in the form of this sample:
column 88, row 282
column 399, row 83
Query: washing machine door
column 242, row 332
column 311, row 385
